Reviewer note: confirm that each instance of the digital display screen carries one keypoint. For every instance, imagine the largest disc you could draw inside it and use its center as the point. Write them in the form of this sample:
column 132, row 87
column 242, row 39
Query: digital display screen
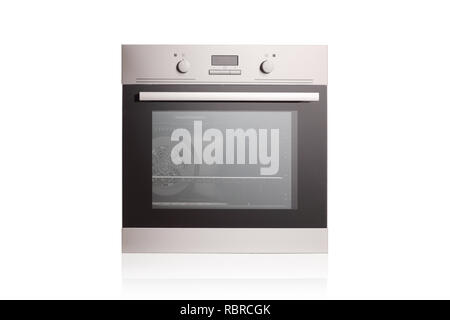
column 224, row 60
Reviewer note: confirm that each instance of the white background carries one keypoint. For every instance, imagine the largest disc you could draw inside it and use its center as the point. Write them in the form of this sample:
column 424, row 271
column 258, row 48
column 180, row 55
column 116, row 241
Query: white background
column 60, row 148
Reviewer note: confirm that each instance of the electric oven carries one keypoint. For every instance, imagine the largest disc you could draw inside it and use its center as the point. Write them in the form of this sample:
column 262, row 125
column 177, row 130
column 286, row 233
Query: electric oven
column 224, row 148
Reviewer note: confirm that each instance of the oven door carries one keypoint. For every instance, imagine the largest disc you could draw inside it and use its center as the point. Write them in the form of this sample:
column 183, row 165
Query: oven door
column 224, row 156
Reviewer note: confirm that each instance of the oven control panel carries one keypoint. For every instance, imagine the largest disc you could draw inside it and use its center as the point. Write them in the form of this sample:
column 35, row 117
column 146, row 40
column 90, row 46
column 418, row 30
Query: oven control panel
column 224, row 64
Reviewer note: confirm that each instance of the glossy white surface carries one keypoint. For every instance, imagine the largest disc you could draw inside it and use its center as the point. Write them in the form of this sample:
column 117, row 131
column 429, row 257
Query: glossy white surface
column 60, row 163
column 224, row 266
column 238, row 275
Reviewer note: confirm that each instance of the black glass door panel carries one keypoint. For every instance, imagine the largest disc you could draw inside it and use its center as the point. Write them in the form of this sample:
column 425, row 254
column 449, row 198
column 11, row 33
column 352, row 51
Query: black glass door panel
column 224, row 164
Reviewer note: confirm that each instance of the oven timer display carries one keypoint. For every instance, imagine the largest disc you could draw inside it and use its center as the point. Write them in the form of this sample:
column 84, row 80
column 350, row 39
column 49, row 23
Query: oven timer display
column 224, row 60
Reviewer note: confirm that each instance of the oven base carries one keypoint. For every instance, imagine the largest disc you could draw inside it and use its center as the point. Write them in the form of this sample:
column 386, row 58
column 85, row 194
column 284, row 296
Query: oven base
column 221, row 240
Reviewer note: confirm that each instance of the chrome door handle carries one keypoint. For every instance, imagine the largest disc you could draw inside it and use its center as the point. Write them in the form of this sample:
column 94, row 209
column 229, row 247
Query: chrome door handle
column 229, row 96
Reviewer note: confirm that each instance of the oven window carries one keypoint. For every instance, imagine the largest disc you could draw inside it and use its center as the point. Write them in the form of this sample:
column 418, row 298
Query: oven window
column 224, row 160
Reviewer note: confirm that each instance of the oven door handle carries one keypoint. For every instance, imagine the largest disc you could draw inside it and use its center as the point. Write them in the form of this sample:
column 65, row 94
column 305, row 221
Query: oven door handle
column 229, row 96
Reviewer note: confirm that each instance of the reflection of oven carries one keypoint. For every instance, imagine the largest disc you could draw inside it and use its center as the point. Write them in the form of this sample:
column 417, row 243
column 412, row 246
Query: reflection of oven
column 237, row 148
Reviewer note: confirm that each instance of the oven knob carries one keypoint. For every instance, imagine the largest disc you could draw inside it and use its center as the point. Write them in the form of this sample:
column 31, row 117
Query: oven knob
column 267, row 66
column 183, row 66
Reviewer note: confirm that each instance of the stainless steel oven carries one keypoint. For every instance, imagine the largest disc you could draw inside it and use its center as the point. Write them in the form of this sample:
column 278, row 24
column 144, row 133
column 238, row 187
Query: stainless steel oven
column 224, row 148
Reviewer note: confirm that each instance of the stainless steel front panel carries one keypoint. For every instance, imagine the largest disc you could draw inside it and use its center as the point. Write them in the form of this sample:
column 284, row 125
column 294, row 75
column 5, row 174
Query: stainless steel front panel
column 221, row 240
column 292, row 64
